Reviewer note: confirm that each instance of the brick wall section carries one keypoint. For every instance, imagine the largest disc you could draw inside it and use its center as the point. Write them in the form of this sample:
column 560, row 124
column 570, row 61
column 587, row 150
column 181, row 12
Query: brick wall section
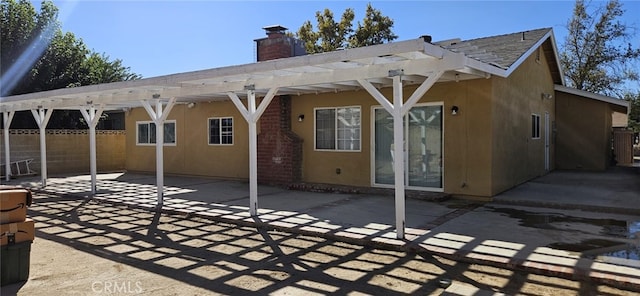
column 279, row 149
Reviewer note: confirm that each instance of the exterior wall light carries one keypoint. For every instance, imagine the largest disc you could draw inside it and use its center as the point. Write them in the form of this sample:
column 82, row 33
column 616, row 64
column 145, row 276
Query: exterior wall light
column 454, row 110
column 191, row 105
column 300, row 117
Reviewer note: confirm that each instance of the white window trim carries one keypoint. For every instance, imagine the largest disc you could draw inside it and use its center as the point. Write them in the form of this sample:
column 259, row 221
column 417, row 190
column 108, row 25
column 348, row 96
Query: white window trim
column 533, row 137
column 153, row 144
column 233, row 130
column 336, row 129
column 406, row 152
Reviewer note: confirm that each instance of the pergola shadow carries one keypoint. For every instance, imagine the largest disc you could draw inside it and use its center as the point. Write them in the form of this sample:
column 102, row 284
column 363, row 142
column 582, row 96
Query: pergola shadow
column 202, row 224
column 224, row 258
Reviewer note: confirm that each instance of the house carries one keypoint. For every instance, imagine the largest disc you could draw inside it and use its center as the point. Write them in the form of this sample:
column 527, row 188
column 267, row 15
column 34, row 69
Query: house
column 500, row 136
column 475, row 117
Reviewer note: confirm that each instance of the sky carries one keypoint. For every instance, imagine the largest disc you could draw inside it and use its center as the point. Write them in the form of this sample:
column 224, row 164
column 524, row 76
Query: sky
column 162, row 37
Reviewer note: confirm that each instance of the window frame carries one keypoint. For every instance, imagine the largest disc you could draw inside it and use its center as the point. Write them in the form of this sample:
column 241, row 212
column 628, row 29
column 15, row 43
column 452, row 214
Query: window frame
column 535, row 126
column 220, row 118
column 336, row 128
column 149, row 123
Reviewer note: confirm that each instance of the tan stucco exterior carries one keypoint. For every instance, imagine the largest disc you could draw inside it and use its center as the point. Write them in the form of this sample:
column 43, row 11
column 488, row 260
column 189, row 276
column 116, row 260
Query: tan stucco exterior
column 465, row 135
column 516, row 155
column 584, row 132
column 192, row 154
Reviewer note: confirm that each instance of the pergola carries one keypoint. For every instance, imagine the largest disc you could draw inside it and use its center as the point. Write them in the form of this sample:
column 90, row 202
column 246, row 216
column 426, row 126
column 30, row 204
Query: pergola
column 412, row 62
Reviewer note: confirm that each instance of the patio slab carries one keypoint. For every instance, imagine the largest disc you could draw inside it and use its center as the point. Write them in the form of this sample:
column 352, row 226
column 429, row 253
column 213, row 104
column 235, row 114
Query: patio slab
column 528, row 227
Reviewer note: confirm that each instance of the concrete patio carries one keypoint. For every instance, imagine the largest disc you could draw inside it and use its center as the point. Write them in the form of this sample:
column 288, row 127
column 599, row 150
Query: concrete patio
column 487, row 233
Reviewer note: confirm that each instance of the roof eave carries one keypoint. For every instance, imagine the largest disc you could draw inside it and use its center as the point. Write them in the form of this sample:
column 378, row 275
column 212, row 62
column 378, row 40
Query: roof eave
column 593, row 96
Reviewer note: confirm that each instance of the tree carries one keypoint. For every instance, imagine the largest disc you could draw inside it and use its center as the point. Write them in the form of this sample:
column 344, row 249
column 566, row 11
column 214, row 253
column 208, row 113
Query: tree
column 97, row 68
column 25, row 35
column 331, row 35
column 597, row 55
column 375, row 29
column 38, row 56
column 634, row 112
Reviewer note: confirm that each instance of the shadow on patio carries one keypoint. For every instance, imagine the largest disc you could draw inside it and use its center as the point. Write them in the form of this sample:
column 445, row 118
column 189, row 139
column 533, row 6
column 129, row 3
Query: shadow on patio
column 230, row 259
column 205, row 237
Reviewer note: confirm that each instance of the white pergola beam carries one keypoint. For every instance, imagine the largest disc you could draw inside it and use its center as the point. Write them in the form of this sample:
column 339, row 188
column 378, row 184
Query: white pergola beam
column 265, row 103
column 158, row 116
column 241, row 107
column 264, row 75
column 42, row 117
column 414, row 67
column 420, row 91
column 92, row 116
column 377, row 95
column 7, row 118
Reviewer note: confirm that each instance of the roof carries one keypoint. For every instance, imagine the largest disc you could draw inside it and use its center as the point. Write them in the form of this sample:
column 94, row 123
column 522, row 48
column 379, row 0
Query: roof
column 593, row 96
column 508, row 51
column 325, row 72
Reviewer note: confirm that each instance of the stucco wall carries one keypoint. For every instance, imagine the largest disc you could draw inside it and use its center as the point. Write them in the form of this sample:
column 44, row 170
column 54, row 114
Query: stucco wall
column 487, row 145
column 67, row 150
column 466, row 136
column 467, row 139
column 192, row 154
column 516, row 156
column 584, row 133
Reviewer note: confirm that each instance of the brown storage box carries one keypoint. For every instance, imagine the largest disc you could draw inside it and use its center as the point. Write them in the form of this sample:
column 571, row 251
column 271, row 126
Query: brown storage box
column 17, row 232
column 13, row 204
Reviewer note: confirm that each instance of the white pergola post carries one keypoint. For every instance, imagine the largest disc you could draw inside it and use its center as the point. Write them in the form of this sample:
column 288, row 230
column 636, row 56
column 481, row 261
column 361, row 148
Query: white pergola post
column 158, row 116
column 42, row 117
column 7, row 118
column 252, row 115
column 398, row 155
column 92, row 116
column 398, row 109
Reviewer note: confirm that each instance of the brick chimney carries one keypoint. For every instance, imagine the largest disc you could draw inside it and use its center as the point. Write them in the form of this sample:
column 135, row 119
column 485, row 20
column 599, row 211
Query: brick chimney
column 278, row 45
column 279, row 149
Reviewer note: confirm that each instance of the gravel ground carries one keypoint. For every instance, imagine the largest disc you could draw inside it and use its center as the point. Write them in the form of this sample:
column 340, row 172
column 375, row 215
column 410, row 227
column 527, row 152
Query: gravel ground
column 83, row 247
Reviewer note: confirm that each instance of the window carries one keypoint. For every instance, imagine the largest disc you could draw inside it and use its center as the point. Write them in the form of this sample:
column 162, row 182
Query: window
column 221, row 131
column 535, row 126
column 338, row 129
column 146, row 133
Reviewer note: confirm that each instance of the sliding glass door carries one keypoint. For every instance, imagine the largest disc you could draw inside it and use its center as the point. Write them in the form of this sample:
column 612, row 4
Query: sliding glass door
column 423, row 134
